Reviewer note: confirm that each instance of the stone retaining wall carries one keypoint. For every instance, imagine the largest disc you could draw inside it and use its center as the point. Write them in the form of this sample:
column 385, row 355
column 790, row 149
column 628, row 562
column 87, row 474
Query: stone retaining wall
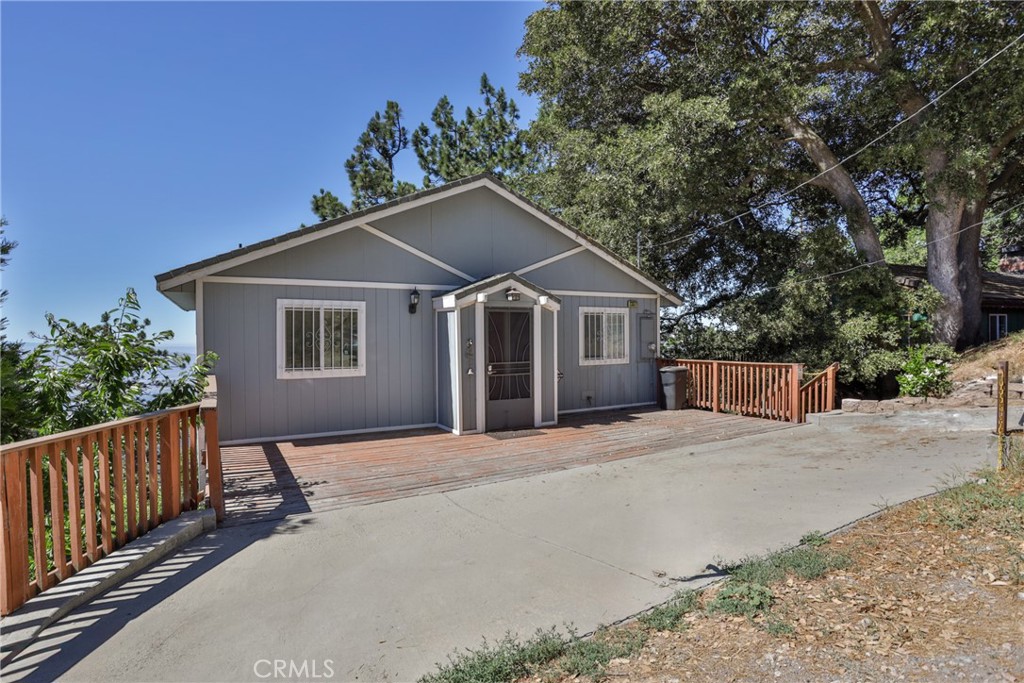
column 904, row 403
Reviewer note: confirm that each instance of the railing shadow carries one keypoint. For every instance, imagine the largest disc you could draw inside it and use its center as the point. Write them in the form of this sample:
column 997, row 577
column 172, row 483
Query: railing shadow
column 277, row 497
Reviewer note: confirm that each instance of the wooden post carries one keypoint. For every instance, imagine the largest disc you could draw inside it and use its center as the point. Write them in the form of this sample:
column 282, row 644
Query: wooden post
column 795, row 372
column 715, row 388
column 165, row 450
column 830, row 391
column 215, row 476
column 1001, row 401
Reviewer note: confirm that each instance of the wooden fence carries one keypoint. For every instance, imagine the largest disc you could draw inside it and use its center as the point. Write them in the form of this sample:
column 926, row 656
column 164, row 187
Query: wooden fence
column 68, row 499
column 818, row 394
column 771, row 391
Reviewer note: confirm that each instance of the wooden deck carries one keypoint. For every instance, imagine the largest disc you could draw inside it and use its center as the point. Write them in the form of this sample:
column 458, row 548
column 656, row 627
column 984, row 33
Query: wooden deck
column 273, row 480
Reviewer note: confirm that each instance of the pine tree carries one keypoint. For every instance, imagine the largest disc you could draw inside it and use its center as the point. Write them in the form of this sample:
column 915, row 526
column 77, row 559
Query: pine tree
column 371, row 168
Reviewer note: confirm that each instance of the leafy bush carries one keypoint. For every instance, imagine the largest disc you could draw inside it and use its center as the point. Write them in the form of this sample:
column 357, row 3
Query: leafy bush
column 90, row 374
column 927, row 371
column 740, row 597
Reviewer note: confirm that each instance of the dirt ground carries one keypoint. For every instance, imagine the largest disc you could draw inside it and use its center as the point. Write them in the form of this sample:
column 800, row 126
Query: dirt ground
column 934, row 592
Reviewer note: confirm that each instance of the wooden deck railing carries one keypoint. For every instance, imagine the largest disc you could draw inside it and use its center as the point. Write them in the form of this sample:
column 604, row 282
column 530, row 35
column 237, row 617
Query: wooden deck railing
column 818, row 394
column 766, row 390
column 68, row 499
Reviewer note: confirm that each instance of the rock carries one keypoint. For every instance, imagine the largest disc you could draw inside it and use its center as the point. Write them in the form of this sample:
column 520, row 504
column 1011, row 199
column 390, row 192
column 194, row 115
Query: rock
column 1020, row 596
column 911, row 400
column 851, row 405
column 868, row 407
column 887, row 406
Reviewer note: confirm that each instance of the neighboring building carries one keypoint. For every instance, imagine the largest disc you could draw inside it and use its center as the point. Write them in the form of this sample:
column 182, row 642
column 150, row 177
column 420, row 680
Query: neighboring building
column 464, row 306
column 1002, row 297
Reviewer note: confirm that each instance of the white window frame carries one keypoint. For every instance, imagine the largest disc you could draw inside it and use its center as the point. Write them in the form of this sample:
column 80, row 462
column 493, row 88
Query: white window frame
column 359, row 306
column 1002, row 323
column 604, row 310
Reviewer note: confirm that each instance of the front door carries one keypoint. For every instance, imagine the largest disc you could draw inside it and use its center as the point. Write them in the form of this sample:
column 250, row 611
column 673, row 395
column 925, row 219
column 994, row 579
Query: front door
column 509, row 369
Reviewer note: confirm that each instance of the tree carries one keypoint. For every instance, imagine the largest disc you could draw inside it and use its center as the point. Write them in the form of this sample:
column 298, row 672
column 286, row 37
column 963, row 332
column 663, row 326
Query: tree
column 327, row 206
column 778, row 100
column 371, row 168
column 89, row 374
column 487, row 139
column 18, row 409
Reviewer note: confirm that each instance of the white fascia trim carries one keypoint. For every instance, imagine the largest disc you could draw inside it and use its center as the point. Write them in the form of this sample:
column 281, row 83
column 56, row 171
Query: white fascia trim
column 200, row 341
column 449, row 301
column 303, row 282
column 580, row 240
column 609, row 295
column 599, row 408
column 320, row 234
column 320, row 435
column 415, row 252
column 552, row 259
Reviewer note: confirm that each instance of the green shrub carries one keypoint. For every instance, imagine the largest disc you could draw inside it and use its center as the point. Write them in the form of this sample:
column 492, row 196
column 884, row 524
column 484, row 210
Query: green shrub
column 927, row 371
column 740, row 597
column 815, row 539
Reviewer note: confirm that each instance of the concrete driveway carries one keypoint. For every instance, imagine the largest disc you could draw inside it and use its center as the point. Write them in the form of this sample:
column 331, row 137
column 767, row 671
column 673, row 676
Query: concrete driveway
column 384, row 591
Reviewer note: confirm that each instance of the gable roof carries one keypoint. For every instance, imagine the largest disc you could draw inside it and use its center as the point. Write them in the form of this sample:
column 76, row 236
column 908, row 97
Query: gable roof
column 490, row 284
column 178, row 276
column 997, row 289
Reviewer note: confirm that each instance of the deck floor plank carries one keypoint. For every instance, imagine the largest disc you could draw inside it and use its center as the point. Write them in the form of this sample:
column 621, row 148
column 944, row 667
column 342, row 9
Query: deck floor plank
column 271, row 481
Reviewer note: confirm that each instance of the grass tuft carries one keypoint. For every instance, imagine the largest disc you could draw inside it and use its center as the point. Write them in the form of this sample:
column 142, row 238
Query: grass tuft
column 590, row 657
column 507, row 659
column 669, row 617
column 804, row 562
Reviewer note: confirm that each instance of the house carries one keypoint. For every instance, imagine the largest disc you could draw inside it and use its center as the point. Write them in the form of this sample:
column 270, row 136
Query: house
column 465, row 306
column 1002, row 298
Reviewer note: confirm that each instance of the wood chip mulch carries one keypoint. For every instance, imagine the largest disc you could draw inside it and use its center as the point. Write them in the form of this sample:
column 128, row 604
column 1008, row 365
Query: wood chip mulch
column 921, row 601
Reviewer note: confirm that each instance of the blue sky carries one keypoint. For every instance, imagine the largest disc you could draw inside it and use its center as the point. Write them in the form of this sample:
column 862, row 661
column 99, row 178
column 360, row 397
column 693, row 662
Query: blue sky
column 138, row 137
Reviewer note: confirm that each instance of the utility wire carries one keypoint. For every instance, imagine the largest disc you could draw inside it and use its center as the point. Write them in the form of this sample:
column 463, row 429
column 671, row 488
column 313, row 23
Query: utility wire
column 868, row 264
column 856, row 153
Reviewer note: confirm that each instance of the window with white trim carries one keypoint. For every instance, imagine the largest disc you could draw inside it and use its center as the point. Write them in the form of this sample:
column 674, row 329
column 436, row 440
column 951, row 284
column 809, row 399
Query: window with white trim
column 320, row 338
column 998, row 326
column 604, row 335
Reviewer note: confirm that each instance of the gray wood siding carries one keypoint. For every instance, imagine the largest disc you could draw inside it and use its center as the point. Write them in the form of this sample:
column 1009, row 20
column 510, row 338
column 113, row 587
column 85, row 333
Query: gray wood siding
column 445, row 414
column 353, row 254
column 240, row 324
column 467, row 332
column 587, row 272
column 608, row 385
column 547, row 345
column 478, row 232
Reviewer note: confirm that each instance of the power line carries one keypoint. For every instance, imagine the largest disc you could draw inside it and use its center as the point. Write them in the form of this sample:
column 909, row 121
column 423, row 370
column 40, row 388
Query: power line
column 875, row 262
column 856, row 153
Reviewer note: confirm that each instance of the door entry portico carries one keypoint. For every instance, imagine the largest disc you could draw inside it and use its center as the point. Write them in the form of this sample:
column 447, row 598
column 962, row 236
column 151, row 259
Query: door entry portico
column 510, row 400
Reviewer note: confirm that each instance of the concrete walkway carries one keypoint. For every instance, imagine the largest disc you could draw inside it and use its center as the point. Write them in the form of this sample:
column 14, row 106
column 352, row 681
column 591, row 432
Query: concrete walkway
column 384, row 591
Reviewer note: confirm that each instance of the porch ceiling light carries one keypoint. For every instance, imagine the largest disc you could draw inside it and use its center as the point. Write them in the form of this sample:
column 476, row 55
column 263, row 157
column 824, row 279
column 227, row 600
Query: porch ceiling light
column 512, row 294
column 414, row 300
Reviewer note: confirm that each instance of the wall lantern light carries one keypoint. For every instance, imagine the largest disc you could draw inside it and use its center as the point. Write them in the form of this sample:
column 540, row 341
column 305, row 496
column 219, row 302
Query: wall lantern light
column 414, row 300
column 512, row 294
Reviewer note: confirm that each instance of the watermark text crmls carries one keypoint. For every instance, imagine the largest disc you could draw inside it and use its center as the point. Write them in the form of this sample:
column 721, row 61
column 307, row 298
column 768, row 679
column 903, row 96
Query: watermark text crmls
column 291, row 669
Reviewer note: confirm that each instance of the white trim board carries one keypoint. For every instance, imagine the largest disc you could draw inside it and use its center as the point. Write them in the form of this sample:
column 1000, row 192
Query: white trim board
column 302, row 282
column 576, row 237
column 416, row 252
column 551, row 259
column 320, row 435
column 600, row 408
column 219, row 266
column 610, row 295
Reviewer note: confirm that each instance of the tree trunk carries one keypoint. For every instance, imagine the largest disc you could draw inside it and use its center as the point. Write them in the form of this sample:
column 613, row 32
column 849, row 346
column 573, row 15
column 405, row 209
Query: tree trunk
column 969, row 257
column 945, row 211
column 841, row 185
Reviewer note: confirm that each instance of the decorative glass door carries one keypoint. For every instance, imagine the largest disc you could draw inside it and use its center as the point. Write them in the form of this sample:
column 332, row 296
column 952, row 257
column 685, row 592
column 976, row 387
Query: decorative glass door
column 509, row 369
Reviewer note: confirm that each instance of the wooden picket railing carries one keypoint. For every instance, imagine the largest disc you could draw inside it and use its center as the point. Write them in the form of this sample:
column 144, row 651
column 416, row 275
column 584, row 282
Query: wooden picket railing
column 767, row 390
column 818, row 394
column 68, row 499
